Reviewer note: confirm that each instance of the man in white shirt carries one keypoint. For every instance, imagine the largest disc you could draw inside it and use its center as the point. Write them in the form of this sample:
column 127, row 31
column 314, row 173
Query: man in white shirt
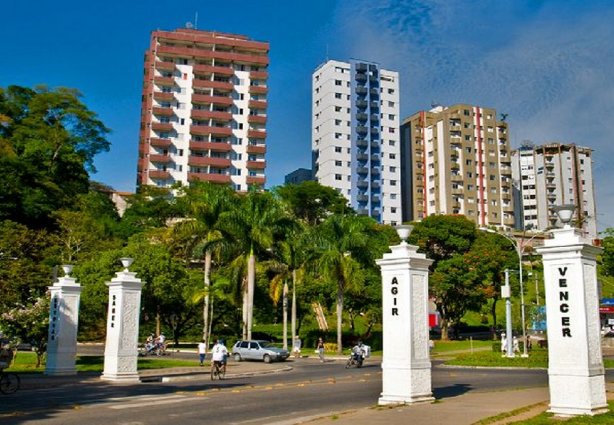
column 219, row 354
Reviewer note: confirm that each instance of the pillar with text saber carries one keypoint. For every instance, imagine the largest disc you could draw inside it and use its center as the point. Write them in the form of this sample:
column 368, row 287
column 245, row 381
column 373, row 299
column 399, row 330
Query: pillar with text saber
column 121, row 348
column 63, row 322
column 575, row 367
column 406, row 365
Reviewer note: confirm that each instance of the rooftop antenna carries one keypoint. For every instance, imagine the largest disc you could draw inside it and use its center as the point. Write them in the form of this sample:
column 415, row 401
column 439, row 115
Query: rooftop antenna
column 326, row 52
column 195, row 20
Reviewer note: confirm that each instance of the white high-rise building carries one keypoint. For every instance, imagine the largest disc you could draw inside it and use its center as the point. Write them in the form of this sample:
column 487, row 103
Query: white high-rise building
column 551, row 175
column 355, row 136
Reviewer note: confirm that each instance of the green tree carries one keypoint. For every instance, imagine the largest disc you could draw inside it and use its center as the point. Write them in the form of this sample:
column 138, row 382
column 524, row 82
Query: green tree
column 441, row 236
column 312, row 202
column 254, row 224
column 203, row 205
column 455, row 285
column 49, row 138
column 342, row 242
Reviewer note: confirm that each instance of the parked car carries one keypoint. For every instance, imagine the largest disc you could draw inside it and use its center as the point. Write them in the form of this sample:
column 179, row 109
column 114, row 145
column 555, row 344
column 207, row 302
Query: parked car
column 258, row 350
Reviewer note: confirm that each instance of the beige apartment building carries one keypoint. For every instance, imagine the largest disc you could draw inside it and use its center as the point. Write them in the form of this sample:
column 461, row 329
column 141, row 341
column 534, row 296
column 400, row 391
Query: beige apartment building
column 457, row 160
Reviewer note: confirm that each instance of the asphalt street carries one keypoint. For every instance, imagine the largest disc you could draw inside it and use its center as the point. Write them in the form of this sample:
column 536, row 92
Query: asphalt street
column 304, row 389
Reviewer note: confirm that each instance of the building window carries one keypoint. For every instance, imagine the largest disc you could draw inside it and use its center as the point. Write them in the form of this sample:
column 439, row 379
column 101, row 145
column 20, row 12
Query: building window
column 338, row 163
column 338, row 149
column 337, row 95
column 337, row 82
column 337, row 176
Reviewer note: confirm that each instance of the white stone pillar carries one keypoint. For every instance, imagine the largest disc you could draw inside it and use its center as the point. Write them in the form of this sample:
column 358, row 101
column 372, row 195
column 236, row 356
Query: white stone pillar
column 575, row 369
column 406, row 366
column 63, row 322
column 121, row 348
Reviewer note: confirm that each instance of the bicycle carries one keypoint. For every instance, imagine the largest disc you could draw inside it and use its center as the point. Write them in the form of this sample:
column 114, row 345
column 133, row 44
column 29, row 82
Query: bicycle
column 217, row 370
column 9, row 382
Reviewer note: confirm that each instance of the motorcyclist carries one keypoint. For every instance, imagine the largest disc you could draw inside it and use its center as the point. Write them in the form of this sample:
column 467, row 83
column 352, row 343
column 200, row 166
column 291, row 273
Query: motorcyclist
column 358, row 352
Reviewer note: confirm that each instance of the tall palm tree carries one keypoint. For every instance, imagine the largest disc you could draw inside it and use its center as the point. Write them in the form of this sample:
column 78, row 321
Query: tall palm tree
column 342, row 240
column 254, row 223
column 203, row 204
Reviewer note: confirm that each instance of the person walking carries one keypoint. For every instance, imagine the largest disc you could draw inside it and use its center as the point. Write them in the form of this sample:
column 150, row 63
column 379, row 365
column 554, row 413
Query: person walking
column 296, row 347
column 202, row 351
column 320, row 349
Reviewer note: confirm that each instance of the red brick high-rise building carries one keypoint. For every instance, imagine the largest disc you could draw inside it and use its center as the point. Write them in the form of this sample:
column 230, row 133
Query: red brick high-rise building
column 203, row 114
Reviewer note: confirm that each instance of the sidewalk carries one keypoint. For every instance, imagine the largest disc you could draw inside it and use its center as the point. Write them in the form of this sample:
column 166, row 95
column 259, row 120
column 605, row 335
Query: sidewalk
column 465, row 409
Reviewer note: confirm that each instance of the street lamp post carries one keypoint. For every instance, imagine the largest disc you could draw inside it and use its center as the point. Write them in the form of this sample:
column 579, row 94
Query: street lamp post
column 507, row 294
column 519, row 251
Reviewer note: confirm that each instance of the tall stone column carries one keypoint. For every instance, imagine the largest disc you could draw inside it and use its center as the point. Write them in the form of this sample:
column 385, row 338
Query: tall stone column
column 406, row 365
column 575, row 368
column 121, row 348
column 63, row 322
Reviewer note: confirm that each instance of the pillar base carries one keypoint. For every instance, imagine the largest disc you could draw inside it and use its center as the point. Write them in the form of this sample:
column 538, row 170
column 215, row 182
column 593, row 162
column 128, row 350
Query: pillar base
column 572, row 395
column 121, row 378
column 389, row 399
column 570, row 411
column 61, row 371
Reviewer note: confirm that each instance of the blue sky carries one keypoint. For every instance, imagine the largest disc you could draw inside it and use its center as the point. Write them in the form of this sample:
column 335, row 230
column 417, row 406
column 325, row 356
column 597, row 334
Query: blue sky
column 548, row 64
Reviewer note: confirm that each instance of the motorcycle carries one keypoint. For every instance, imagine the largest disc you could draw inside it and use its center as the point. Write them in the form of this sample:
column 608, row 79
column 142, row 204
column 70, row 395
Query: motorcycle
column 355, row 359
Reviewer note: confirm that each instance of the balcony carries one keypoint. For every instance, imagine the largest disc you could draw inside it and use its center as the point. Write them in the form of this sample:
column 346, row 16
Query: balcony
column 210, row 146
column 361, row 129
column 256, row 119
column 161, row 126
column 163, row 159
column 164, row 81
column 209, row 177
column 256, row 149
column 362, row 104
column 375, row 185
column 361, row 90
column 362, row 198
column 257, row 180
column 362, row 157
column 362, row 143
column 362, row 184
column 258, row 75
column 165, row 66
column 164, row 96
column 375, row 117
column 210, row 54
column 375, row 171
column 159, row 175
column 203, row 130
column 257, row 104
column 258, row 89
column 375, row 199
column 204, row 99
column 374, row 130
column 361, row 116
column 214, row 115
column 163, row 112
column 204, row 161
column 208, row 70
column 256, row 165
column 456, row 177
column 375, row 158
column 256, row 134
column 160, row 143
column 208, row 84
column 374, row 92
column 362, row 170
column 374, row 105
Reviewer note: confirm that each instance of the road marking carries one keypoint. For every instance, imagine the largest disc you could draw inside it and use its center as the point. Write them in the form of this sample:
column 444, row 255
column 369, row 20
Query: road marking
column 152, row 402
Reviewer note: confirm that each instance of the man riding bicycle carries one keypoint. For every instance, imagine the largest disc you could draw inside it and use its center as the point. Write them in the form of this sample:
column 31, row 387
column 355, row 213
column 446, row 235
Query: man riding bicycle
column 219, row 354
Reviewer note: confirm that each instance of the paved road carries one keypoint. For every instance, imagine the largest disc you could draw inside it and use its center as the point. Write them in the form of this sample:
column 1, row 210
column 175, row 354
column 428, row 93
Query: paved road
column 310, row 389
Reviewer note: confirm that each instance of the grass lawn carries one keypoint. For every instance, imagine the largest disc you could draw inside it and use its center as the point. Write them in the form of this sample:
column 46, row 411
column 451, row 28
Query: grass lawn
column 25, row 362
column 447, row 346
column 549, row 419
column 537, row 358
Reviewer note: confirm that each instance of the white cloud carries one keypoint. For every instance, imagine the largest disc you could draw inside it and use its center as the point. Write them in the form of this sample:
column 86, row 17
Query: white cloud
column 548, row 66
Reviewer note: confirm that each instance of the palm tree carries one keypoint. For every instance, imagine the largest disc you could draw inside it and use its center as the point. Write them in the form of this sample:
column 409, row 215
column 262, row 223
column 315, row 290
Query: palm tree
column 204, row 203
column 342, row 241
column 255, row 223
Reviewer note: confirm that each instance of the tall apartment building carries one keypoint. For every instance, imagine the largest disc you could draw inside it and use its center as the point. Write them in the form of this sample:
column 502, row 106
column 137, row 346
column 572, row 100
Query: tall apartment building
column 456, row 160
column 203, row 113
column 551, row 175
column 355, row 136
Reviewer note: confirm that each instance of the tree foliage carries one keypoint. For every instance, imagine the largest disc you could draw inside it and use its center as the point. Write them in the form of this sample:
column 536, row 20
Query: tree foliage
column 49, row 139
